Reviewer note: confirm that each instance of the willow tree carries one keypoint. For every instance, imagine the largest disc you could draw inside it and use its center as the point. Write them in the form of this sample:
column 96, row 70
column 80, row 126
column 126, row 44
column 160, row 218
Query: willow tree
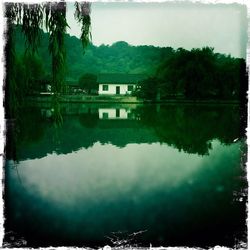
column 33, row 18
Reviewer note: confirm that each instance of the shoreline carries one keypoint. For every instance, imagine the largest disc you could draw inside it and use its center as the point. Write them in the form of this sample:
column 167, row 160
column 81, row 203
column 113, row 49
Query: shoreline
column 122, row 99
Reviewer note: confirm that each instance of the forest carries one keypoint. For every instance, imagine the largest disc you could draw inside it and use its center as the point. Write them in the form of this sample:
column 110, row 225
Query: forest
column 170, row 73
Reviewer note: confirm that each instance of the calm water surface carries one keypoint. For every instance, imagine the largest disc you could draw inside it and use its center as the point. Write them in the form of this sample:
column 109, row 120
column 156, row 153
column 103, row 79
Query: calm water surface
column 163, row 175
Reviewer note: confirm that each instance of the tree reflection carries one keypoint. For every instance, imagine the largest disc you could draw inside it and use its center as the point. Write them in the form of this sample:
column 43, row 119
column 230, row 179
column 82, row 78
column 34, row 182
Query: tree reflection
column 28, row 127
column 191, row 127
column 188, row 128
column 89, row 120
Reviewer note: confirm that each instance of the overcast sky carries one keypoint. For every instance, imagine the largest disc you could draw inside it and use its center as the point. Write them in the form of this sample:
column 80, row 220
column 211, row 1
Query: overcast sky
column 184, row 24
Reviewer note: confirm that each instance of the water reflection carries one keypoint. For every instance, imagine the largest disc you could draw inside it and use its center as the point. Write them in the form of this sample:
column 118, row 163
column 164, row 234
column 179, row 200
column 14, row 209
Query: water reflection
column 111, row 113
column 189, row 128
column 168, row 171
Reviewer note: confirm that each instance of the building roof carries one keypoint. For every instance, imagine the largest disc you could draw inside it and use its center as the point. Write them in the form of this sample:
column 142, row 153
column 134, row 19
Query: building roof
column 120, row 78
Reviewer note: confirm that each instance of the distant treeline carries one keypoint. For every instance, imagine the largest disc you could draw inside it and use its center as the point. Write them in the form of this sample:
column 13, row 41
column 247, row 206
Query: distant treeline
column 120, row 57
column 195, row 74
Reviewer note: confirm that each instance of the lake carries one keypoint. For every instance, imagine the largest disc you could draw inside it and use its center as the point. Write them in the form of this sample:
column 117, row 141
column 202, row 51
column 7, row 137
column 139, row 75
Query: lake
column 119, row 175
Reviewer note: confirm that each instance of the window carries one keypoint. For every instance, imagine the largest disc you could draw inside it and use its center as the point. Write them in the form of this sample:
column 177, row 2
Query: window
column 105, row 87
column 130, row 87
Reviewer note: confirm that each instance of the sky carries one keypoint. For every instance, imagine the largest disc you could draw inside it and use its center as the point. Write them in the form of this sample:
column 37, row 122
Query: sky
column 175, row 24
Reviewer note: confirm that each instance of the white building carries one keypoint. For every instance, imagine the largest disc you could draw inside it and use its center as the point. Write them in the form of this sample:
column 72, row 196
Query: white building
column 118, row 84
column 115, row 89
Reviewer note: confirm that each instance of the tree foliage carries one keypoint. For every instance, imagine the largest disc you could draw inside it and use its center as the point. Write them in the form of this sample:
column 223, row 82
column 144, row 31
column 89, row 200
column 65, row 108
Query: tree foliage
column 88, row 82
column 82, row 15
column 198, row 74
column 31, row 17
column 29, row 70
column 148, row 88
column 119, row 57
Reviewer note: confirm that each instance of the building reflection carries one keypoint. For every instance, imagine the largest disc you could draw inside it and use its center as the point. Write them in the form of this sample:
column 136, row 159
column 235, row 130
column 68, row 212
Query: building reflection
column 118, row 113
column 104, row 112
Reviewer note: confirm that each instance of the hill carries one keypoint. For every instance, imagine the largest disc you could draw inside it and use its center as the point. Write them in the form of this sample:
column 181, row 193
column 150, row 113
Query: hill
column 120, row 57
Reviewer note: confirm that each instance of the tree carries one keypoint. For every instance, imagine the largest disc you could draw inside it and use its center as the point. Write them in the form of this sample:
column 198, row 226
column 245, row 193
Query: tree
column 148, row 89
column 89, row 83
column 33, row 70
column 32, row 17
column 197, row 74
